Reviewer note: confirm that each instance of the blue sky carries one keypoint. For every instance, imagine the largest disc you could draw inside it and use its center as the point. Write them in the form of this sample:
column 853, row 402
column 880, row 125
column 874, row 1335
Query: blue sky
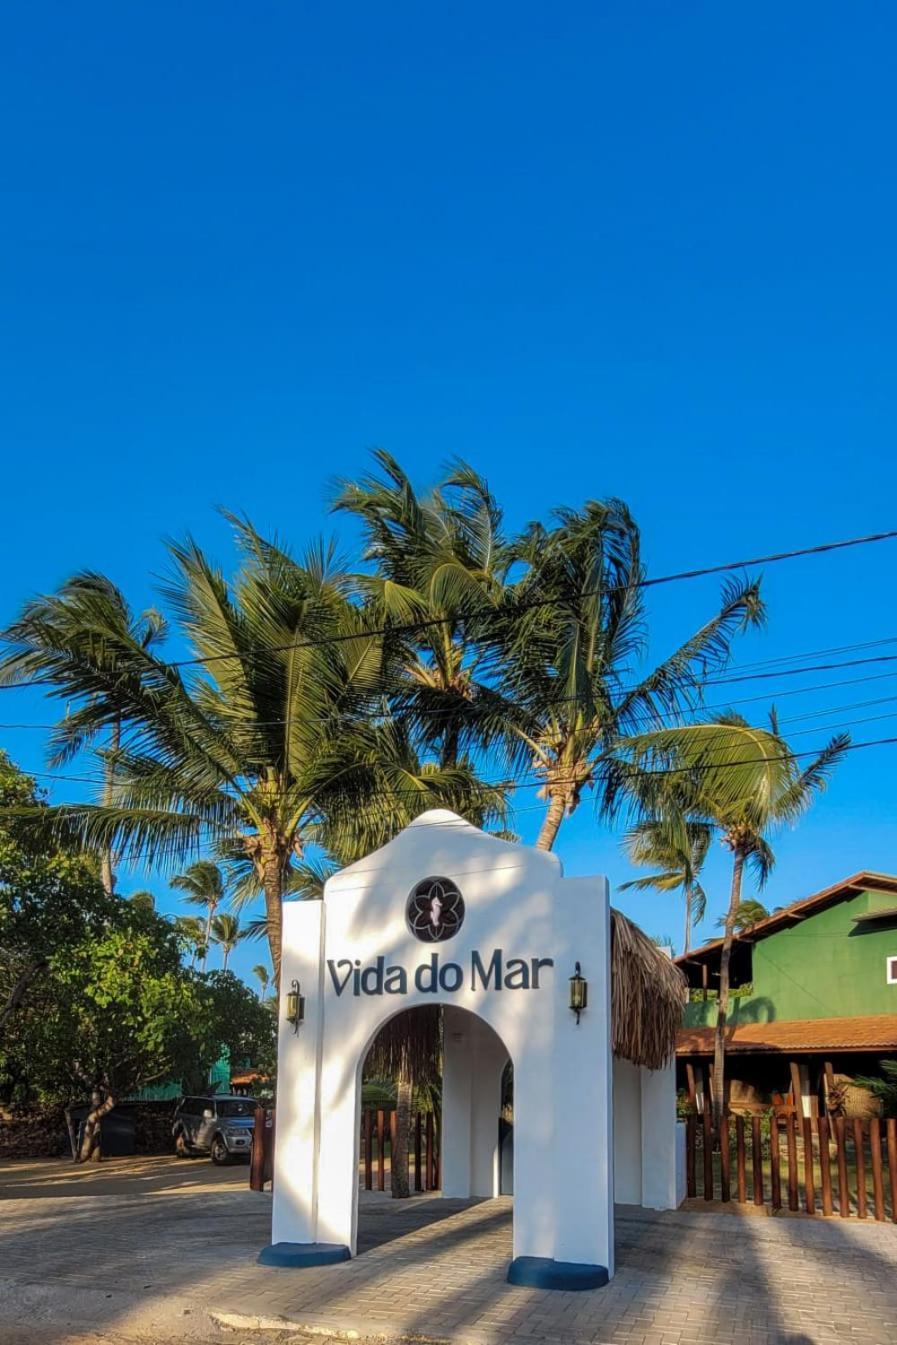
column 643, row 250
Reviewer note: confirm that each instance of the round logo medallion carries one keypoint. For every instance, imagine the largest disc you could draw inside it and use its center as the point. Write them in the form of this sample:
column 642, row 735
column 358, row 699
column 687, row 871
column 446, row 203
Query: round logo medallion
column 435, row 910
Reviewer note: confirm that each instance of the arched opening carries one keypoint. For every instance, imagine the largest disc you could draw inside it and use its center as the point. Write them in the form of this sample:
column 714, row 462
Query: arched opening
column 446, row 1064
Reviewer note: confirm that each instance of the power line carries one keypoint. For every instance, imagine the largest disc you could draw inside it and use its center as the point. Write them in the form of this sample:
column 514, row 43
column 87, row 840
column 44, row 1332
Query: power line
column 490, row 613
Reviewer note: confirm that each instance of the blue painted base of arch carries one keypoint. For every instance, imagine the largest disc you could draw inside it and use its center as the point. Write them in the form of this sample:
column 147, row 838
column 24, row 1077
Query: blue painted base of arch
column 540, row 1272
column 300, row 1254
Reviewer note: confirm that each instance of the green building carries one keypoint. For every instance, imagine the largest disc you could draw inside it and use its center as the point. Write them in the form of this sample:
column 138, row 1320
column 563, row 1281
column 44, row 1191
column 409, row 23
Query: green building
column 815, row 997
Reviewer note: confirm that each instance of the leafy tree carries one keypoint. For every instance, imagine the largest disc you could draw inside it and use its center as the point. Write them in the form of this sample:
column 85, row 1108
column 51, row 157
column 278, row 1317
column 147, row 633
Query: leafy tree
column 49, row 896
column 115, row 1011
column 678, row 848
column 742, row 781
column 234, row 1023
column 203, row 885
column 145, row 900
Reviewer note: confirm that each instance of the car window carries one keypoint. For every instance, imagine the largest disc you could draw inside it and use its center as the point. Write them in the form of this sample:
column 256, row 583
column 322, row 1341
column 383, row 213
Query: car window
column 236, row 1106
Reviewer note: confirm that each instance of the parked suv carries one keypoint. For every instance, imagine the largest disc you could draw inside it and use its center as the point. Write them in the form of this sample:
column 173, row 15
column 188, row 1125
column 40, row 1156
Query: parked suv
column 221, row 1126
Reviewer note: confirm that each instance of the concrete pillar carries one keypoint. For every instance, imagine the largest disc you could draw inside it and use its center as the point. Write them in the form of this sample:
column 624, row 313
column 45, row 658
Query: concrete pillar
column 659, row 1137
column 474, row 1058
column 295, row 1215
column 457, row 1092
column 627, row 1133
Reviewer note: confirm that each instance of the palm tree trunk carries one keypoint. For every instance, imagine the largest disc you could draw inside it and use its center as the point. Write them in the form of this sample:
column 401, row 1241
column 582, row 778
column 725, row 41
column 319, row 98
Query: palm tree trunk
column 107, row 876
column 551, row 823
column 719, row 1039
column 272, row 885
column 207, row 938
column 226, row 952
column 688, row 900
column 399, row 1180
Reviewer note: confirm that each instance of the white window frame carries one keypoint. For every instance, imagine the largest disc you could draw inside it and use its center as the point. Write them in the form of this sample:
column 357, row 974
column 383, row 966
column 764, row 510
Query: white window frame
column 891, row 969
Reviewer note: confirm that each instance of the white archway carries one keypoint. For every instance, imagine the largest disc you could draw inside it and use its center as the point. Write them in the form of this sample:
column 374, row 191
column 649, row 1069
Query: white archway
column 361, row 955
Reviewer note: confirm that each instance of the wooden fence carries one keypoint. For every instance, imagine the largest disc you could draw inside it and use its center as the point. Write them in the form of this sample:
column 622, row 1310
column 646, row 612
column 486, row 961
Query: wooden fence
column 378, row 1131
column 787, row 1161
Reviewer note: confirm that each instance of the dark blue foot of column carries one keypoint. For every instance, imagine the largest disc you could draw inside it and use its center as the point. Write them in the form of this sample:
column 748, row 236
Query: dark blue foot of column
column 540, row 1272
column 303, row 1254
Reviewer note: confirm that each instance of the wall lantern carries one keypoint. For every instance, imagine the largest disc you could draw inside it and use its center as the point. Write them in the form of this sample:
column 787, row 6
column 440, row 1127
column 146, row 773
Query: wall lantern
column 579, row 992
column 295, row 1006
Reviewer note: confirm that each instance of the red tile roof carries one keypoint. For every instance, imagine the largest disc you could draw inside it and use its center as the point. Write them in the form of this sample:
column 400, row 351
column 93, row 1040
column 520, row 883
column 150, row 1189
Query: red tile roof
column 874, row 1032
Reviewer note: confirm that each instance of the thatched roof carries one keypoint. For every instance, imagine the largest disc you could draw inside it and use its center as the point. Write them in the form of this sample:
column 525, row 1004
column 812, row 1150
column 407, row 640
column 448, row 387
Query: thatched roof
column 647, row 996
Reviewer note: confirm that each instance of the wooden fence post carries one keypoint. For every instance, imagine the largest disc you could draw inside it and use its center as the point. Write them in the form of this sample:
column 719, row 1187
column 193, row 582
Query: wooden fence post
column 825, row 1170
column 878, row 1190
column 691, row 1144
column 258, row 1152
column 418, row 1176
column 431, row 1157
column 843, row 1183
column 369, row 1150
column 892, row 1163
column 809, row 1182
column 790, row 1122
column 861, row 1168
column 775, row 1161
column 740, row 1161
column 381, row 1152
column 725, row 1158
column 757, row 1159
column 708, row 1154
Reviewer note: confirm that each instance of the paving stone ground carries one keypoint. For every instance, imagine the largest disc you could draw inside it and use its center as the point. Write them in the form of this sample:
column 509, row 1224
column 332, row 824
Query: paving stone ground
column 153, row 1250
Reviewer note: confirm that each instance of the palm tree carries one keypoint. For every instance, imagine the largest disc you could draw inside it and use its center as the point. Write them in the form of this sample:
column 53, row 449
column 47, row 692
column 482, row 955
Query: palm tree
column 272, row 737
column 263, row 976
column 745, row 783
column 749, row 913
column 80, row 640
column 678, row 848
column 226, row 933
column 203, row 885
column 190, row 931
column 574, row 626
column 440, row 560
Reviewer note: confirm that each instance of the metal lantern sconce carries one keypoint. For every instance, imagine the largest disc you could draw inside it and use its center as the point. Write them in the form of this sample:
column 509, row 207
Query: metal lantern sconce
column 295, row 1006
column 579, row 992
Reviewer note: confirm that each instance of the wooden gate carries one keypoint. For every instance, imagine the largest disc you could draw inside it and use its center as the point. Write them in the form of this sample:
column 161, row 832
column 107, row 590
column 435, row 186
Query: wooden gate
column 787, row 1161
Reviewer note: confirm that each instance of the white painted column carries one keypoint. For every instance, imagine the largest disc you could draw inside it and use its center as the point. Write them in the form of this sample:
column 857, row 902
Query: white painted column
column 659, row 1137
column 582, row 1094
column 474, row 1058
column 457, row 1090
column 294, row 1215
column 489, row 1060
column 627, row 1133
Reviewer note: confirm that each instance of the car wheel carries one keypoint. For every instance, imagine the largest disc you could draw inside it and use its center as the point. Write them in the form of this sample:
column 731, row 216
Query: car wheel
column 219, row 1152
